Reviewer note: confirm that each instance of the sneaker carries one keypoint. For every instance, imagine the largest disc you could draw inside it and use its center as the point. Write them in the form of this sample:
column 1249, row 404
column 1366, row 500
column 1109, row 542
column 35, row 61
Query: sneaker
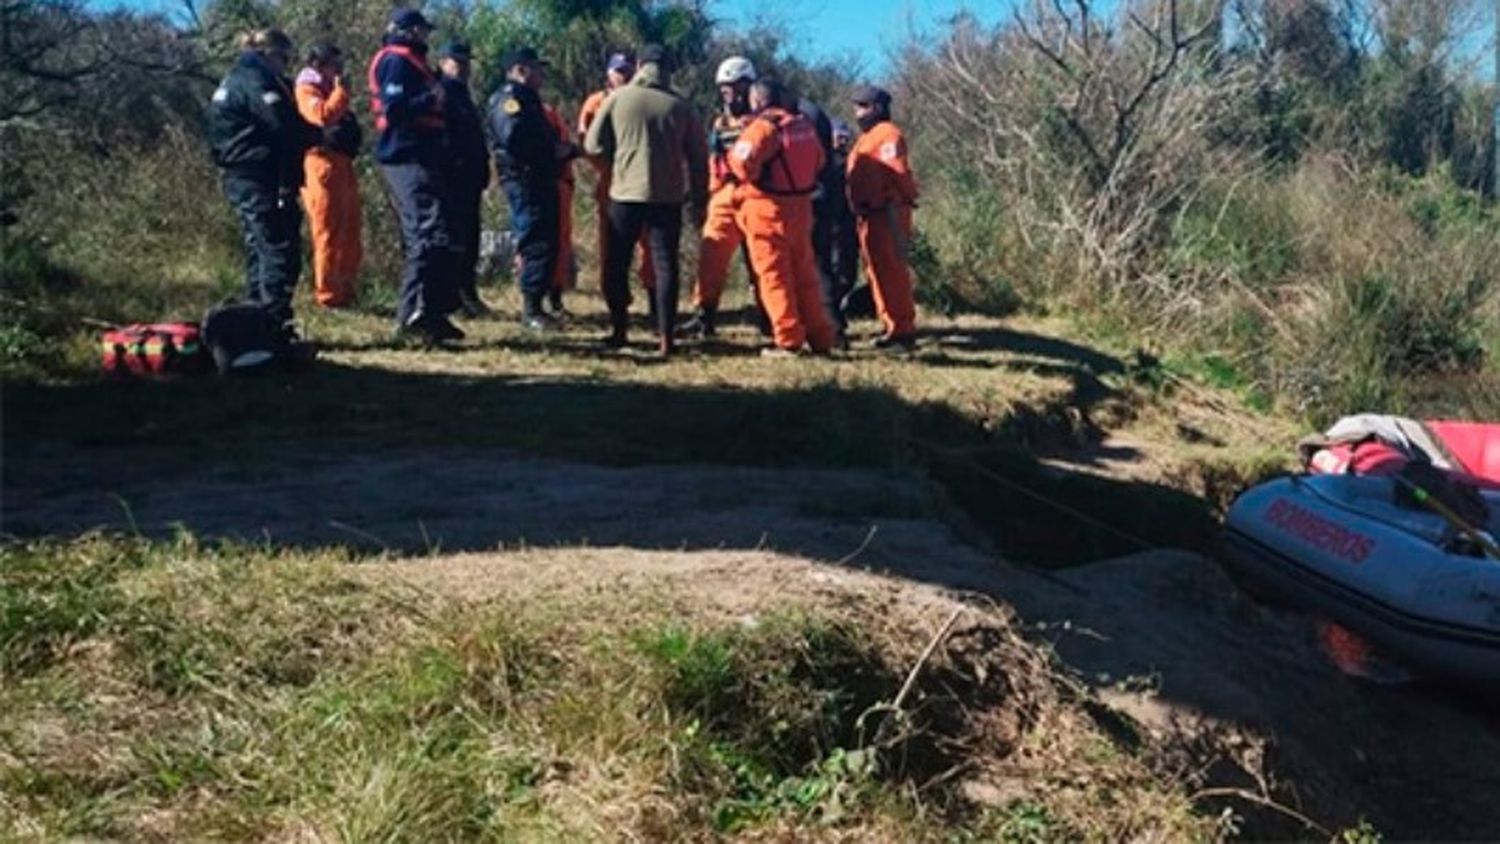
column 539, row 321
column 778, row 353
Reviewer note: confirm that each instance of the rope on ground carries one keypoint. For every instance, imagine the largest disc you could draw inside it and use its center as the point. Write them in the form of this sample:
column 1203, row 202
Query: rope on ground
column 849, row 557
column 1039, row 497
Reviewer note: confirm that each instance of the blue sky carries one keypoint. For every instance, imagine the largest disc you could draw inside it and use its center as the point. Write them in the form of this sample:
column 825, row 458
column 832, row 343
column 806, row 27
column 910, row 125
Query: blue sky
column 861, row 32
column 864, row 29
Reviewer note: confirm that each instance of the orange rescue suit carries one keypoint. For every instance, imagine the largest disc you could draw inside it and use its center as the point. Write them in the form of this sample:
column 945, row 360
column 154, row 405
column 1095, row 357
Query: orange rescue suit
column 882, row 193
column 562, row 276
column 586, row 117
column 776, row 162
column 722, row 235
column 330, row 193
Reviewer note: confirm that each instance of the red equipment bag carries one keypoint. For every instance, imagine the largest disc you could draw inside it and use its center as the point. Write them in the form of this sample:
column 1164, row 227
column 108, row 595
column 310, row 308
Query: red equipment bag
column 157, row 350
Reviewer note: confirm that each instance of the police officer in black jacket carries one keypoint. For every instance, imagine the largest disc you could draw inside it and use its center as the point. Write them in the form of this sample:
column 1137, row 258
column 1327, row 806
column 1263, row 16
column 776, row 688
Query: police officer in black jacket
column 528, row 154
column 468, row 172
column 413, row 151
column 258, row 140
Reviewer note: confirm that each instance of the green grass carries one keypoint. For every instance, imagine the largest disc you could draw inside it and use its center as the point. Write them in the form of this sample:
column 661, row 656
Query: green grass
column 188, row 691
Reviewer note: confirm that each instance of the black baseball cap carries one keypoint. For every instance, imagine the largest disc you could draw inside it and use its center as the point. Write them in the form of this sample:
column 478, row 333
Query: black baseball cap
column 409, row 19
column 870, row 95
column 521, row 55
column 457, row 50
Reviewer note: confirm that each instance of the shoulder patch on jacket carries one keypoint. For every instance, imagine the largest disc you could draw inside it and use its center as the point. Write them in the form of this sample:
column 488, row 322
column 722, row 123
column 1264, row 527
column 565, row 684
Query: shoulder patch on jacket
column 741, row 150
column 888, row 151
column 511, row 106
column 270, row 98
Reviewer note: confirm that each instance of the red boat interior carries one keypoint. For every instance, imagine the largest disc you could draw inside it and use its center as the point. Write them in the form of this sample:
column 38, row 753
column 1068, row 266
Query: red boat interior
column 1474, row 446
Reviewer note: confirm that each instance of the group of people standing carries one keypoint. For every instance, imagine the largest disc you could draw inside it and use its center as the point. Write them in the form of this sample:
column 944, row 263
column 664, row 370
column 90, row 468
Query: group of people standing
column 772, row 177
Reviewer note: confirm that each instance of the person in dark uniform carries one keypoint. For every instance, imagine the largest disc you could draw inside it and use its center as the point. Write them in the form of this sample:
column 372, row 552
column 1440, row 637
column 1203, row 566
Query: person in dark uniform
column 845, row 238
column 843, row 234
column 827, row 197
column 528, row 156
column 258, row 140
column 468, row 172
column 412, row 150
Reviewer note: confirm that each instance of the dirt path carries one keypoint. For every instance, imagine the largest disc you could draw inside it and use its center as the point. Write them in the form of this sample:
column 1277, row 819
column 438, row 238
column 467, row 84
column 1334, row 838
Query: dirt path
column 458, row 500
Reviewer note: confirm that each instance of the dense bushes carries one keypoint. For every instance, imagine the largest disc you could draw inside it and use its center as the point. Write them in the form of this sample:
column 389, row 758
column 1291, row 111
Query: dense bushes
column 1295, row 206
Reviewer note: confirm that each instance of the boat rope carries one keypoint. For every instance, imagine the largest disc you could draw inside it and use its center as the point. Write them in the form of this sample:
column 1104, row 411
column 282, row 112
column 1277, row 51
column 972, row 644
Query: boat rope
column 955, row 455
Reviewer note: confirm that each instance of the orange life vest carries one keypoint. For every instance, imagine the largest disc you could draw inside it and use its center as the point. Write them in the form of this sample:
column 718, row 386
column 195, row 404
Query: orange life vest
column 793, row 169
column 432, row 119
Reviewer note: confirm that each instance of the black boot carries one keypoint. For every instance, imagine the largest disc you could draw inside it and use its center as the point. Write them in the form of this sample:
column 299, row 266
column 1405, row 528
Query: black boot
column 703, row 324
column 532, row 315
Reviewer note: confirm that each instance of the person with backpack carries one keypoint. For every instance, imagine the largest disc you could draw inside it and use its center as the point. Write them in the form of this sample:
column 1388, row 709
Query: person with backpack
column 882, row 193
column 777, row 161
column 330, row 192
column 258, row 141
column 412, row 151
column 658, row 159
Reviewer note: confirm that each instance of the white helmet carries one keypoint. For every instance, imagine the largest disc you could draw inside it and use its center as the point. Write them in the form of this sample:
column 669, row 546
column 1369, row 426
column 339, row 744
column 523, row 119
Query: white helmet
column 734, row 69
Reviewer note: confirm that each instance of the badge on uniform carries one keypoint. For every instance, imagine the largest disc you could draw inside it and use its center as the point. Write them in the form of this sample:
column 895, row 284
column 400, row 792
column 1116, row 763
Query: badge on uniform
column 512, row 106
column 888, row 151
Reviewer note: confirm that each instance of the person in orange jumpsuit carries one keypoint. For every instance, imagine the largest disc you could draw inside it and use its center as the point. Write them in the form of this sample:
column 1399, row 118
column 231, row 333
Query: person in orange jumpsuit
column 722, row 236
column 776, row 163
column 565, row 272
column 330, row 191
column 619, row 71
column 882, row 194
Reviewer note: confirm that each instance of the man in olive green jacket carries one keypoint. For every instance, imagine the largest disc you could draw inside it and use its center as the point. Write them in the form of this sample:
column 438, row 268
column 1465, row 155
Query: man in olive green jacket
column 659, row 159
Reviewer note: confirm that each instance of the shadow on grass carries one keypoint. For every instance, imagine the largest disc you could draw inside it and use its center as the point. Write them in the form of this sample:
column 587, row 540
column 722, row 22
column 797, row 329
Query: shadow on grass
column 421, row 447
column 386, row 460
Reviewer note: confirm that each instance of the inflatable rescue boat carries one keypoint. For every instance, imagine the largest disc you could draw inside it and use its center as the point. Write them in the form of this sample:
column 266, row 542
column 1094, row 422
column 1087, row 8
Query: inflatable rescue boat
column 1389, row 533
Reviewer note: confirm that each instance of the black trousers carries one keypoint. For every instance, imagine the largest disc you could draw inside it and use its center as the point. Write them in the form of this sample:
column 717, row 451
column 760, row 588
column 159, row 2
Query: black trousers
column 829, row 247
column 533, row 221
column 663, row 225
column 845, row 250
column 272, row 225
column 463, row 231
column 421, row 196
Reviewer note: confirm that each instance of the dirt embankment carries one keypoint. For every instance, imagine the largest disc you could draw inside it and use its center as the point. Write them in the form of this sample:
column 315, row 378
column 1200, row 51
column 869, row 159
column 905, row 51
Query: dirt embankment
column 1178, row 665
